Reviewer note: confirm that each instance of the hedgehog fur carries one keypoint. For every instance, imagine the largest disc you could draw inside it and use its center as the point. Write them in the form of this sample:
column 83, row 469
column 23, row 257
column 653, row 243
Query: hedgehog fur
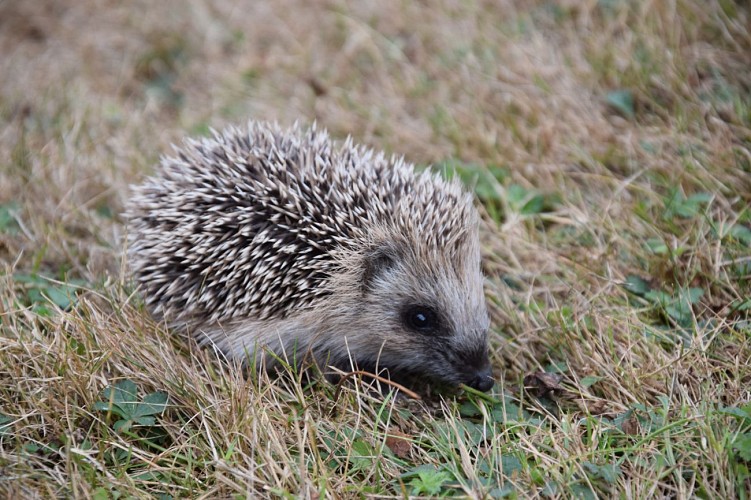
column 270, row 243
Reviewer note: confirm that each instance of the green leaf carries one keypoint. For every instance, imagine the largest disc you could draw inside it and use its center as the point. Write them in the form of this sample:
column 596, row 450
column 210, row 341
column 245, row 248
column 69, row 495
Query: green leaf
column 510, row 464
column 534, row 206
column 700, row 198
column 124, row 394
column 43, row 311
column 5, row 425
column 742, row 445
column 100, row 494
column 146, row 421
column 120, row 398
column 582, row 491
column 28, row 279
column 589, row 381
column 506, row 491
column 741, row 233
column 429, row 482
column 484, row 179
column 679, row 312
column 148, row 476
column 658, row 297
column 693, row 294
column 105, row 211
column 656, row 246
column 35, row 296
column 61, row 295
column 360, row 463
column 40, row 291
column 152, row 404
column 516, row 196
column 679, row 308
column 123, row 425
column 609, row 472
column 361, row 448
column 8, row 222
column 102, row 406
column 622, row 101
column 743, row 414
column 469, row 409
column 415, row 471
column 486, row 188
column 676, row 204
column 636, row 285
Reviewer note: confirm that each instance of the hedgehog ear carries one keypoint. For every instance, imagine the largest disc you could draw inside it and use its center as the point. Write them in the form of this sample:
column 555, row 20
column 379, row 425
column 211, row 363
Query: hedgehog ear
column 378, row 260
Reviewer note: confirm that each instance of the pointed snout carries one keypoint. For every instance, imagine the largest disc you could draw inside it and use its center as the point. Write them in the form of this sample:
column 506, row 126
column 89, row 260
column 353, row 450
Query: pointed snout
column 482, row 380
column 476, row 369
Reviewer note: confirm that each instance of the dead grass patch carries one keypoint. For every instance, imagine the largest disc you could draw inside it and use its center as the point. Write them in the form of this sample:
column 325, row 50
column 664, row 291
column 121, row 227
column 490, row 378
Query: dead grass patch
column 609, row 143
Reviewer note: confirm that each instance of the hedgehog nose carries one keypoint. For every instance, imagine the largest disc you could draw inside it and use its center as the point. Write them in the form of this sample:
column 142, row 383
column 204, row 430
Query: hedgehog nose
column 482, row 381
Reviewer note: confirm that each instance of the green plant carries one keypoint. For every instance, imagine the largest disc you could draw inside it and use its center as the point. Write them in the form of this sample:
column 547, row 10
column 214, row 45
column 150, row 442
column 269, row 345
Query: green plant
column 122, row 401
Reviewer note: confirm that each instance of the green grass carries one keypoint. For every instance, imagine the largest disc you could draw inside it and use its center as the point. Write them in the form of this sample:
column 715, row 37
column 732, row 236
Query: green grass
column 608, row 144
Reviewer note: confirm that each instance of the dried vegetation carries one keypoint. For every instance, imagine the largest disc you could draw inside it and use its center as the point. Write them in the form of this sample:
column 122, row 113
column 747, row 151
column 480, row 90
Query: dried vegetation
column 608, row 142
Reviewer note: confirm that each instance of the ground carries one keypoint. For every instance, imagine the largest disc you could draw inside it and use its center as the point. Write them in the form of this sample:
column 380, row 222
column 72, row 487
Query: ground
column 608, row 143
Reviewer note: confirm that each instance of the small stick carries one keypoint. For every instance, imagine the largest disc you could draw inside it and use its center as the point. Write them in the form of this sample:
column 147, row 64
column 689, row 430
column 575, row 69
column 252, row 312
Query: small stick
column 386, row 381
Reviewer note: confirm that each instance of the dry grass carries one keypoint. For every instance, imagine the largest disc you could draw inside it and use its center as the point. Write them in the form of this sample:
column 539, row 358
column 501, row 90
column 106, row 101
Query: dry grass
column 610, row 145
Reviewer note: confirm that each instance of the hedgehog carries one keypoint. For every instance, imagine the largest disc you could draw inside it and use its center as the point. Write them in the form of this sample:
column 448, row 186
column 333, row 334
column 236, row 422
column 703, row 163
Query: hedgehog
column 281, row 245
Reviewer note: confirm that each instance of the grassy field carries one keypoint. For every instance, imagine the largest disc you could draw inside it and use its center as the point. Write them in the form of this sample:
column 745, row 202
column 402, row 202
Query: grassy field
column 608, row 142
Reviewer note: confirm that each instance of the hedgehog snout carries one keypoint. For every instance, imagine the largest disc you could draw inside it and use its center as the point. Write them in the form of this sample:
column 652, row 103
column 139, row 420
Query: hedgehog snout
column 482, row 380
column 476, row 370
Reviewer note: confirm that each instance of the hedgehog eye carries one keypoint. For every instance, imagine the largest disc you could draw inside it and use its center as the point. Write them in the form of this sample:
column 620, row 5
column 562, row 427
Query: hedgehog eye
column 421, row 318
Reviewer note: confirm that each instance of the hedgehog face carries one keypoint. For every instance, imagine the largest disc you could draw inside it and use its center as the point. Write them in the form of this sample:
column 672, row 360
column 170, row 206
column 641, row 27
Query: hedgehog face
column 421, row 315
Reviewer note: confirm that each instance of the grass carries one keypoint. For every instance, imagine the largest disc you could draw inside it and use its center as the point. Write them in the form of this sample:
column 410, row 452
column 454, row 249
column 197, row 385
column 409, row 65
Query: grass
column 608, row 142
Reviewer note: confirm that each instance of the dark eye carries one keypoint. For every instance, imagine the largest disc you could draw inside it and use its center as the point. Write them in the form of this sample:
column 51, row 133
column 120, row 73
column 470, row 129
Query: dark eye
column 421, row 318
